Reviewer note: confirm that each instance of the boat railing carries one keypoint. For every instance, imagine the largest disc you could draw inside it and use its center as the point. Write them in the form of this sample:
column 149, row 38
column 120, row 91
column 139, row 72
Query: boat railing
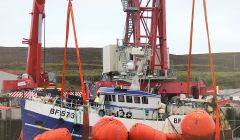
column 70, row 103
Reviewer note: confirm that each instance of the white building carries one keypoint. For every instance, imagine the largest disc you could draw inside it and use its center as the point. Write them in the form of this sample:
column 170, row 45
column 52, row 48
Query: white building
column 6, row 75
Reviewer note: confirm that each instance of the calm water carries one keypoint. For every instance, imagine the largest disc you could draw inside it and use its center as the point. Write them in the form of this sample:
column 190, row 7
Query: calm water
column 10, row 129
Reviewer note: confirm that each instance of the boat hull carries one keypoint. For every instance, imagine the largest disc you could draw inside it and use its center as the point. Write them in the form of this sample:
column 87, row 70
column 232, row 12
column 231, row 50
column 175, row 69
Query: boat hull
column 38, row 117
column 34, row 123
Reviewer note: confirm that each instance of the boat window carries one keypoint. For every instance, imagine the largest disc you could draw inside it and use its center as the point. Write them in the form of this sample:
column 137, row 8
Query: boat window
column 136, row 100
column 121, row 98
column 113, row 98
column 131, row 56
column 144, row 100
column 129, row 99
column 108, row 98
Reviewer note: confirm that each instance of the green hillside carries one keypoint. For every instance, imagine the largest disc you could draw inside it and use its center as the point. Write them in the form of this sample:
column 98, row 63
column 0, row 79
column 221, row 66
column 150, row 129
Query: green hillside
column 227, row 75
column 223, row 62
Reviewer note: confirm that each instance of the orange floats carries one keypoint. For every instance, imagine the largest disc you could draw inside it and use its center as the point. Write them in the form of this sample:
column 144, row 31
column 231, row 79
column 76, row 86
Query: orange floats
column 198, row 125
column 174, row 136
column 109, row 129
column 55, row 134
column 144, row 132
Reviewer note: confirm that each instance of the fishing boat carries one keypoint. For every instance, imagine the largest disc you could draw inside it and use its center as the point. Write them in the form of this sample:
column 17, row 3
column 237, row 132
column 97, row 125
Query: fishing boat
column 140, row 86
column 128, row 106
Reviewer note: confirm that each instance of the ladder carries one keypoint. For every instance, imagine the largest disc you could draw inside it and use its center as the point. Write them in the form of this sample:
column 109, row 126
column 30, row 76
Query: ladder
column 130, row 28
column 123, row 59
column 127, row 7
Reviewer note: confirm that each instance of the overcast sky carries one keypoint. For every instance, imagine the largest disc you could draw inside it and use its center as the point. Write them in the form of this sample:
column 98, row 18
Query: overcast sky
column 100, row 22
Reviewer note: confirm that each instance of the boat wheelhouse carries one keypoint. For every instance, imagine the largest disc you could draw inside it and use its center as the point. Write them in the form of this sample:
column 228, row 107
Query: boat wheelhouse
column 130, row 104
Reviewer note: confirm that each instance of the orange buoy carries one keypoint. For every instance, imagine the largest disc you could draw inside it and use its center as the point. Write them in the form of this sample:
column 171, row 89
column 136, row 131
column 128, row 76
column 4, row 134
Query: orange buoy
column 174, row 136
column 55, row 134
column 198, row 125
column 144, row 132
column 99, row 124
column 109, row 129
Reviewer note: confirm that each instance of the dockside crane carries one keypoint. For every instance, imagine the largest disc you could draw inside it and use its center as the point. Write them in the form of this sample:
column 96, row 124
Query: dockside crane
column 33, row 77
column 146, row 27
column 143, row 52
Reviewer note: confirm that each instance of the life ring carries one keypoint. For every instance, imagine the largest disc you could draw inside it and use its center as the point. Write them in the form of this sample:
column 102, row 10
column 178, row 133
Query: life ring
column 101, row 112
column 121, row 113
column 129, row 114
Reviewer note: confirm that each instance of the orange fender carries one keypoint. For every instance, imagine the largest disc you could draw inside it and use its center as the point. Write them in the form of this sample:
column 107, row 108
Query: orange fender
column 109, row 129
column 55, row 134
column 198, row 125
column 144, row 132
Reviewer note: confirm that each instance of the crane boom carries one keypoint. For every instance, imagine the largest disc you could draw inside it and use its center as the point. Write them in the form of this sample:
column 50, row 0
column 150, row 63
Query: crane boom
column 33, row 67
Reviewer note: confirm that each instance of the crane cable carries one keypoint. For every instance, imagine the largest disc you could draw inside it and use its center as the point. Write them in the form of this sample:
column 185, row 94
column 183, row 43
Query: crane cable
column 217, row 128
column 85, row 131
column 65, row 52
column 190, row 51
column 70, row 14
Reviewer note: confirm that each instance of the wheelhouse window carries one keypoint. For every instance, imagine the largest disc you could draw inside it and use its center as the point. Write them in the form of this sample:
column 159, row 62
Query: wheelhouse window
column 113, row 98
column 108, row 98
column 136, row 100
column 121, row 98
column 129, row 99
column 144, row 100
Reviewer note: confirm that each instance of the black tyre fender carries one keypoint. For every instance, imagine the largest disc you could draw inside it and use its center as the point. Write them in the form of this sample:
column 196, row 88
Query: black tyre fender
column 101, row 112
column 121, row 113
column 129, row 114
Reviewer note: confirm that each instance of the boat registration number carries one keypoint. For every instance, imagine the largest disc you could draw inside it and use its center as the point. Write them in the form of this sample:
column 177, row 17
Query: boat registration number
column 177, row 120
column 62, row 113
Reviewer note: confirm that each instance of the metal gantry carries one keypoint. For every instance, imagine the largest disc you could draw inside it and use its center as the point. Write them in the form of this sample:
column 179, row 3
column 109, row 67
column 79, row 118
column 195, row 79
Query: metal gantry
column 146, row 27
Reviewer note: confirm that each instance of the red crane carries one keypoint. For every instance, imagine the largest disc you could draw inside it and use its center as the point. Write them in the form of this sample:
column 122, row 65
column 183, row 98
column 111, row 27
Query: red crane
column 146, row 27
column 33, row 77
column 145, row 30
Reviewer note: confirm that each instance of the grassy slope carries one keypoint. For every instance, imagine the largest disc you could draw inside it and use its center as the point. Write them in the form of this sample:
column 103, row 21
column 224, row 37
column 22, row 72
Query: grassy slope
column 227, row 77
